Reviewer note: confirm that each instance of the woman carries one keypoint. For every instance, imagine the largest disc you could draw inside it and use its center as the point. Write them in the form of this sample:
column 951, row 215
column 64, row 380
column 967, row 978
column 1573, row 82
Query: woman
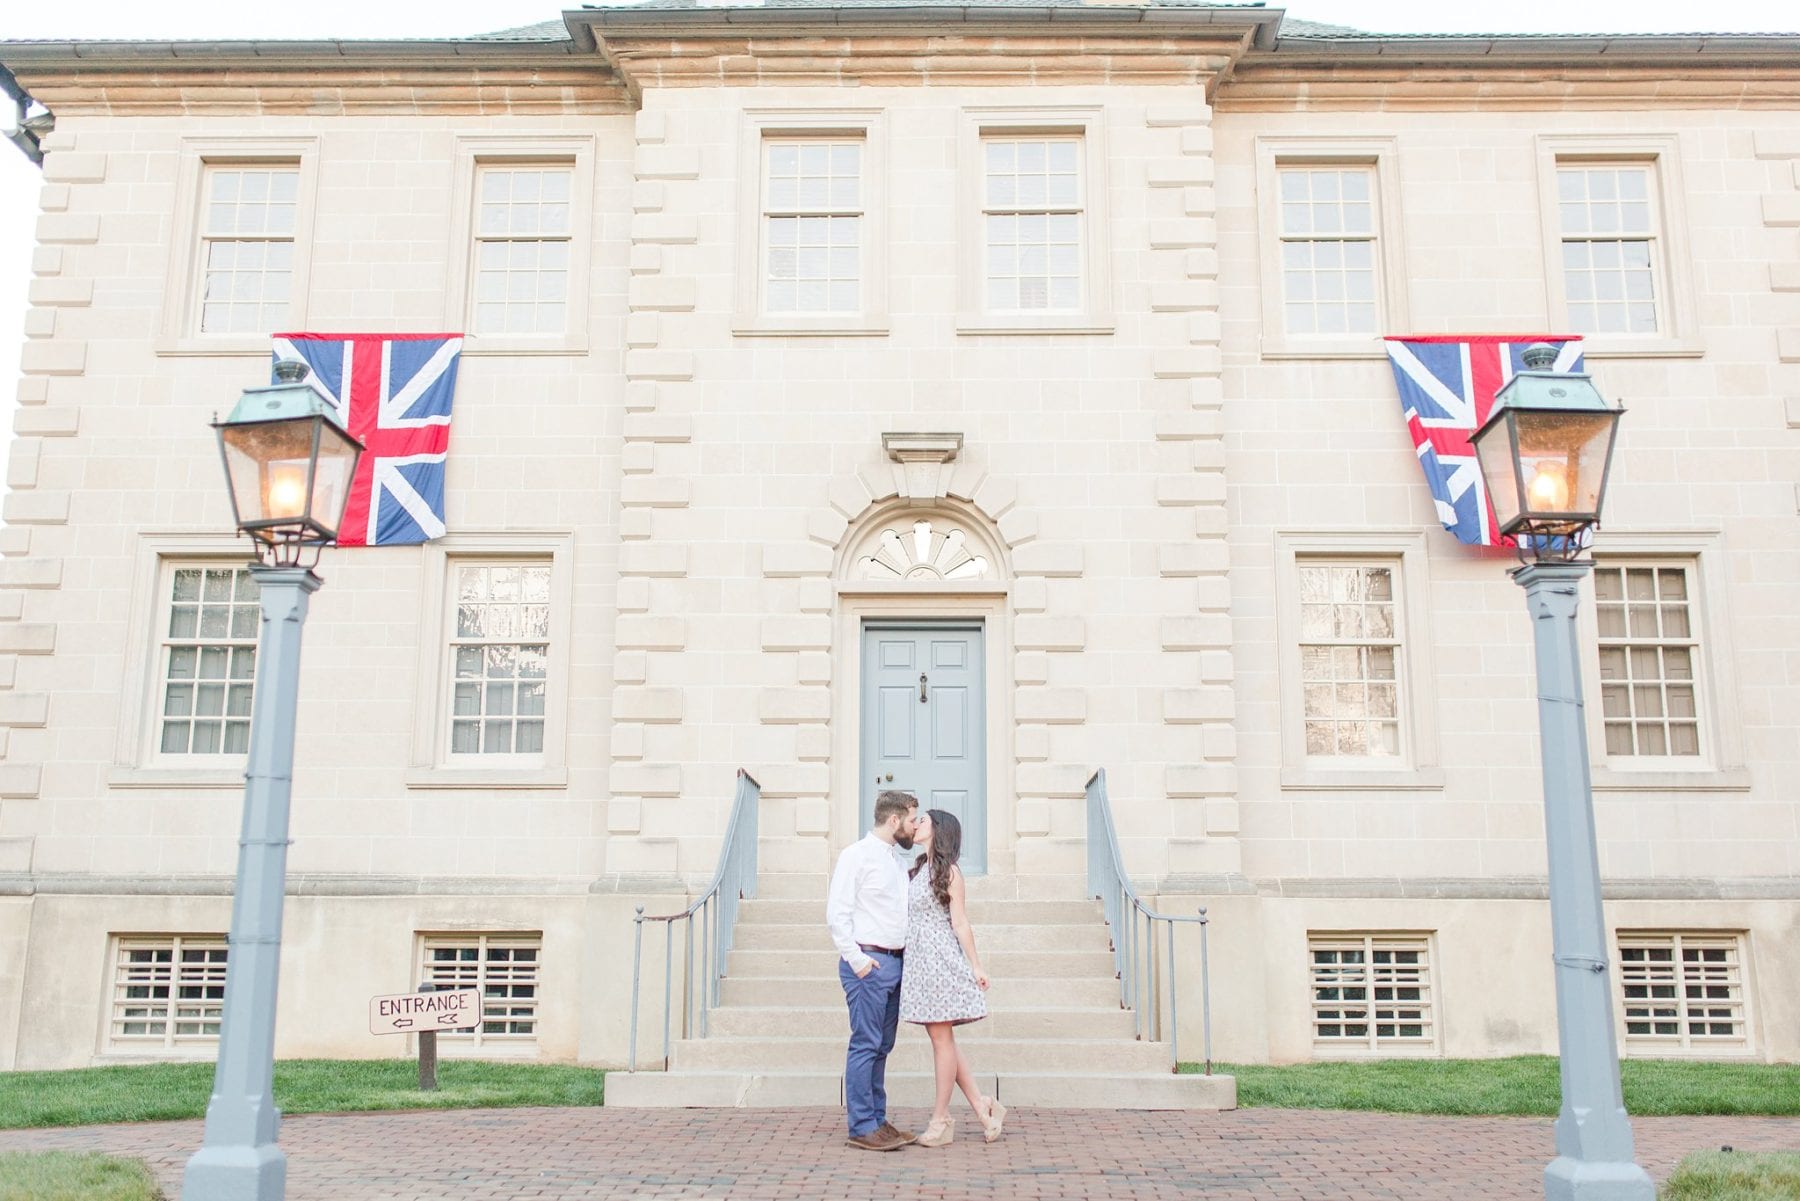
column 942, row 985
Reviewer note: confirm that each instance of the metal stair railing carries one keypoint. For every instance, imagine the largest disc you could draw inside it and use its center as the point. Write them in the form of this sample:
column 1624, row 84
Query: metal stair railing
column 713, row 915
column 1146, row 968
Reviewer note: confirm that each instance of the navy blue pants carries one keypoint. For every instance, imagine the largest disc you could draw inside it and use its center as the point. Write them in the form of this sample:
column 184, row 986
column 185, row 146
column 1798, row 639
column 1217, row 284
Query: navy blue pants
column 874, row 1002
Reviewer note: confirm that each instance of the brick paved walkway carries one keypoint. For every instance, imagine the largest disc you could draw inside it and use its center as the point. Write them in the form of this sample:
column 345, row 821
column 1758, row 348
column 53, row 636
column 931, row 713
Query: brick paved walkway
column 786, row 1155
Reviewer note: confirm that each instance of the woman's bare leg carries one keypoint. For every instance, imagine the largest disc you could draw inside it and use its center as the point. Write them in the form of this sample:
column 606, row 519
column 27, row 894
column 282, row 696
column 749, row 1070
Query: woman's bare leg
column 965, row 1076
column 944, row 1060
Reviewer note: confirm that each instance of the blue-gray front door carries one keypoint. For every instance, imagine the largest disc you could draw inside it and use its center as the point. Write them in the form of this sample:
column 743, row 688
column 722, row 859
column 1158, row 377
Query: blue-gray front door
column 924, row 724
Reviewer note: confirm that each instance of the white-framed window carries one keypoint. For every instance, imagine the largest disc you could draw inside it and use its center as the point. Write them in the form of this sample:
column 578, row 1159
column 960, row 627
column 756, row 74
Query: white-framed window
column 523, row 231
column 1659, row 668
column 208, row 661
column 1683, row 991
column 1607, row 221
column 1031, row 223
column 1356, row 701
column 812, row 252
column 1649, row 656
column 519, row 228
column 1350, row 658
column 1616, row 259
column 168, row 992
column 493, row 661
column 1034, row 250
column 247, row 247
column 1333, row 256
column 505, row 967
column 1371, row 992
column 1329, row 280
column 812, row 225
column 500, row 652
column 239, row 257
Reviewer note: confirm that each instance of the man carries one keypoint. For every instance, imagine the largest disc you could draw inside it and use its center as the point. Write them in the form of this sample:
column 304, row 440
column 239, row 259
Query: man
column 866, row 912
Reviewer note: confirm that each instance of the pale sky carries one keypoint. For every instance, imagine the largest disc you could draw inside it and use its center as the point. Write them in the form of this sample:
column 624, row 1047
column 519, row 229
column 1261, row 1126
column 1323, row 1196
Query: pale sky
column 178, row 19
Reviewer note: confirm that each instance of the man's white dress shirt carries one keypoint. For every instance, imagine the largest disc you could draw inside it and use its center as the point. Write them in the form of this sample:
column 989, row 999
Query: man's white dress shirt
column 867, row 902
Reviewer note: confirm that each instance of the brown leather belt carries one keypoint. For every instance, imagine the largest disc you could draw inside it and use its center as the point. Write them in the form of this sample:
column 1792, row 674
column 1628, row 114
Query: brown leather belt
column 869, row 948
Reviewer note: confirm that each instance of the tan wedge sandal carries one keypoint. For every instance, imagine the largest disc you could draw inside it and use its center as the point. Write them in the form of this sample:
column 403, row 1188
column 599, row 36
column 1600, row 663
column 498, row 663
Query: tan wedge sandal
column 938, row 1134
column 994, row 1120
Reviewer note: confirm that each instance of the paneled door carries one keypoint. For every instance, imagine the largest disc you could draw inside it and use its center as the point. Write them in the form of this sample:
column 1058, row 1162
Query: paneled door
column 924, row 724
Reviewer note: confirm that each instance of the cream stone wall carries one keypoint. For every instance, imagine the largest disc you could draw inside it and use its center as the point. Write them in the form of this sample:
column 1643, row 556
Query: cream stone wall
column 707, row 489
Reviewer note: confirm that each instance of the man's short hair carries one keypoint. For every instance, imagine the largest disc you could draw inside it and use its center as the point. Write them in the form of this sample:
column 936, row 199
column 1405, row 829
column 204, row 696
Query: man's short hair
column 893, row 802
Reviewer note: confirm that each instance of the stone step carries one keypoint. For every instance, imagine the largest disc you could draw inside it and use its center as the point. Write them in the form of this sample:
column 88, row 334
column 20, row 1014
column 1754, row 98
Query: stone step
column 914, row 1090
column 824, row 991
column 791, row 886
column 1036, row 965
column 783, row 1021
column 981, row 912
column 1094, row 1056
column 1087, row 936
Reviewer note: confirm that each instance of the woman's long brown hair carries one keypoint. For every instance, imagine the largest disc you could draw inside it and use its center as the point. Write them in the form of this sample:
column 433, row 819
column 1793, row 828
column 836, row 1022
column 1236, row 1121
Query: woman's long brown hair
column 946, row 849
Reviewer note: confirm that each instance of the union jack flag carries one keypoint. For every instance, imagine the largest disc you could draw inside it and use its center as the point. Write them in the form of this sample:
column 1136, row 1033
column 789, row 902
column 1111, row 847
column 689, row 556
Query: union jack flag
column 1447, row 386
column 393, row 393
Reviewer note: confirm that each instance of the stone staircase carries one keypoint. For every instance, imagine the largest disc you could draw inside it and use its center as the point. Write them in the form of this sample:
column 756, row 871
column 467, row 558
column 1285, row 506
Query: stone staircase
column 1056, row 1035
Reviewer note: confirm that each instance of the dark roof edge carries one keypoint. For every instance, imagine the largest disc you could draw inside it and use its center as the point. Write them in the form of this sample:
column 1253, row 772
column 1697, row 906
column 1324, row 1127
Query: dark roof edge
column 588, row 24
column 345, row 50
column 1421, row 48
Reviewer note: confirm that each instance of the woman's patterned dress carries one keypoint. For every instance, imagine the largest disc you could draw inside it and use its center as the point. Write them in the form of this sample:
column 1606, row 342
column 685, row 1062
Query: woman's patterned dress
column 937, row 984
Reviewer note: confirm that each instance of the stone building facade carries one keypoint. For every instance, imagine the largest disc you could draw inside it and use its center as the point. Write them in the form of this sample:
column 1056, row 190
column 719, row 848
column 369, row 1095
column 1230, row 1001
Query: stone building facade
column 1043, row 338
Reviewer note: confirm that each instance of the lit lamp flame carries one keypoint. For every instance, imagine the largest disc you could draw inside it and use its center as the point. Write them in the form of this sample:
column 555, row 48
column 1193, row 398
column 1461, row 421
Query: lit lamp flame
column 287, row 490
column 1549, row 486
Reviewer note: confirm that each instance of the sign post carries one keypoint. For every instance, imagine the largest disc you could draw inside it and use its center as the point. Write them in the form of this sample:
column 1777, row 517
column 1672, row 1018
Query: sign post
column 425, row 1013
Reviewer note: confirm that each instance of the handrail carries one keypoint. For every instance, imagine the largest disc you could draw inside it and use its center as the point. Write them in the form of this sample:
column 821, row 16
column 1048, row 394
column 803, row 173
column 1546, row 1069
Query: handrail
column 715, row 910
column 1141, row 967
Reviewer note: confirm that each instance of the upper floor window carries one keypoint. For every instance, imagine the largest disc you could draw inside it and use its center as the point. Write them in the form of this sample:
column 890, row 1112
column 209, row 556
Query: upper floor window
column 247, row 247
column 1032, row 207
column 812, row 226
column 1616, row 260
column 1608, row 224
column 1649, row 651
column 208, row 660
column 1329, row 254
column 522, row 249
column 500, row 658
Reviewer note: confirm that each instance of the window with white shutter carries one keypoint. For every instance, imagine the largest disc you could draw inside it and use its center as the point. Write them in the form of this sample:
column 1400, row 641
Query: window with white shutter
column 504, row 967
column 1683, row 991
column 168, row 991
column 1371, row 992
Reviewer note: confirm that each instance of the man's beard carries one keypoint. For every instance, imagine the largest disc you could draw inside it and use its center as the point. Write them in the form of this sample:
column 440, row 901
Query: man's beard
column 903, row 841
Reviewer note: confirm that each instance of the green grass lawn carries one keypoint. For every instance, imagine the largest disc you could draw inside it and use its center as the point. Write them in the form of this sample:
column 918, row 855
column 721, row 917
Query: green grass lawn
column 150, row 1092
column 68, row 1176
column 1526, row 1085
column 1730, row 1176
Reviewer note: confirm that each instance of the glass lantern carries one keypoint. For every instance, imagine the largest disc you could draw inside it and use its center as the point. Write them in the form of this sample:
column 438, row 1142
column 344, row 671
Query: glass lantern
column 289, row 466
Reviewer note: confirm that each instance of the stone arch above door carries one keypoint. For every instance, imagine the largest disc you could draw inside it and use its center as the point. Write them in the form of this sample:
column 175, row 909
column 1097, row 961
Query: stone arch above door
column 944, row 544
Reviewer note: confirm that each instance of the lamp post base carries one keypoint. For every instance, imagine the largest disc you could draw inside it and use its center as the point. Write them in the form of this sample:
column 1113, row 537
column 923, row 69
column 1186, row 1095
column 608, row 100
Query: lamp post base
column 1569, row 1179
column 234, row 1172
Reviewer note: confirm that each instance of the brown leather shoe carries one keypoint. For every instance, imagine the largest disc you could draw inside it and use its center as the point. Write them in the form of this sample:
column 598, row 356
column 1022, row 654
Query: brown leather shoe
column 877, row 1139
column 905, row 1136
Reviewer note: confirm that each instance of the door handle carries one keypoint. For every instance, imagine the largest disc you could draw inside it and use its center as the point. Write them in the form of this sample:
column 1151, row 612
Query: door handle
column 921, row 688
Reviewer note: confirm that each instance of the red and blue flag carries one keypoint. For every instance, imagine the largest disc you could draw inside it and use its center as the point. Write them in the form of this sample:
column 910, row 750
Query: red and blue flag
column 1447, row 386
column 393, row 392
